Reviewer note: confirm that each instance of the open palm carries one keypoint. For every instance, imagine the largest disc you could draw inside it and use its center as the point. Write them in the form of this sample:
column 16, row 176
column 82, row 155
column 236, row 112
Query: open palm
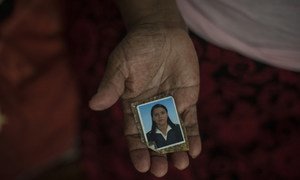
column 149, row 61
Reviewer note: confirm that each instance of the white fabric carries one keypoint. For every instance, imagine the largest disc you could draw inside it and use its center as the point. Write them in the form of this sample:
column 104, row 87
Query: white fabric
column 159, row 132
column 267, row 30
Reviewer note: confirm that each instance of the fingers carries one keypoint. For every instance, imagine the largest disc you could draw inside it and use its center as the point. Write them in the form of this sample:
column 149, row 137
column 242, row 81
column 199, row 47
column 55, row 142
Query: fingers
column 186, row 99
column 195, row 146
column 112, row 85
column 142, row 159
column 180, row 160
column 107, row 95
column 159, row 164
column 191, row 124
column 138, row 151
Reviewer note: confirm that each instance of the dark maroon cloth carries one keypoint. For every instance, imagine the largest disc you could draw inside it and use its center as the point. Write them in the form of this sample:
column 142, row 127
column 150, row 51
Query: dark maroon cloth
column 38, row 92
column 248, row 112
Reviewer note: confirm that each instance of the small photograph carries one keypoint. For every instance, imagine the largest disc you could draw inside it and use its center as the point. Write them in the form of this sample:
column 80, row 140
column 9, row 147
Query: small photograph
column 161, row 125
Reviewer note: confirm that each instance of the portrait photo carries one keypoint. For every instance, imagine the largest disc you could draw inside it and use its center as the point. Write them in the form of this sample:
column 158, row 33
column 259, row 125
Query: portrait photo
column 160, row 123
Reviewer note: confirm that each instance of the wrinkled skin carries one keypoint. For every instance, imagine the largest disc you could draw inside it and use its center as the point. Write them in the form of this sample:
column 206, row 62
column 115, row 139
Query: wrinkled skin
column 152, row 60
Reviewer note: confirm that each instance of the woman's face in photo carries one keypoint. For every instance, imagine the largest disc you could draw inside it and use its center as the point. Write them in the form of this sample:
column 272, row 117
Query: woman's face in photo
column 160, row 116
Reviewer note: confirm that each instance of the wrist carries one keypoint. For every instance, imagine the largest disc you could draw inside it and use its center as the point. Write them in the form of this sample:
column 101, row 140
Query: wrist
column 158, row 20
column 162, row 13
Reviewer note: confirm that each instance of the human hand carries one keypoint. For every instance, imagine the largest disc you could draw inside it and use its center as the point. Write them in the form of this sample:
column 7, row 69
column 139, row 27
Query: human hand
column 149, row 61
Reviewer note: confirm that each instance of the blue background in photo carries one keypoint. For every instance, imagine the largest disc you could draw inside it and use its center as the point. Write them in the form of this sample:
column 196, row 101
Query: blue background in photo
column 145, row 112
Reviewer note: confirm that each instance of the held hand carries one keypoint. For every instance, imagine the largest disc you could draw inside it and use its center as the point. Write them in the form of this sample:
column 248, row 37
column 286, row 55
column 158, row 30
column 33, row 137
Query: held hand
column 149, row 61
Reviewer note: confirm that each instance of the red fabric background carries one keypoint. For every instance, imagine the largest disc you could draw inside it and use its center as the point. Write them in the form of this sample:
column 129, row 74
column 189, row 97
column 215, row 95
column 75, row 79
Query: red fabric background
column 38, row 92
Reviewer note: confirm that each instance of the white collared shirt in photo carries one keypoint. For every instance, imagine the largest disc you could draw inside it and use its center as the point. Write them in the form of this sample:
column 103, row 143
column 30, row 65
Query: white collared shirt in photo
column 159, row 132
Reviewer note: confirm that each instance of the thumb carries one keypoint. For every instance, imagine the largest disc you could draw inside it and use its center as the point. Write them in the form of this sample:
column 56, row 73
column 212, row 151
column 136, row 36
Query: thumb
column 110, row 90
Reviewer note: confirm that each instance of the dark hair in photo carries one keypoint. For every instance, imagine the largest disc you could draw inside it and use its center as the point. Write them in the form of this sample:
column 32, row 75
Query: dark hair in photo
column 170, row 123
